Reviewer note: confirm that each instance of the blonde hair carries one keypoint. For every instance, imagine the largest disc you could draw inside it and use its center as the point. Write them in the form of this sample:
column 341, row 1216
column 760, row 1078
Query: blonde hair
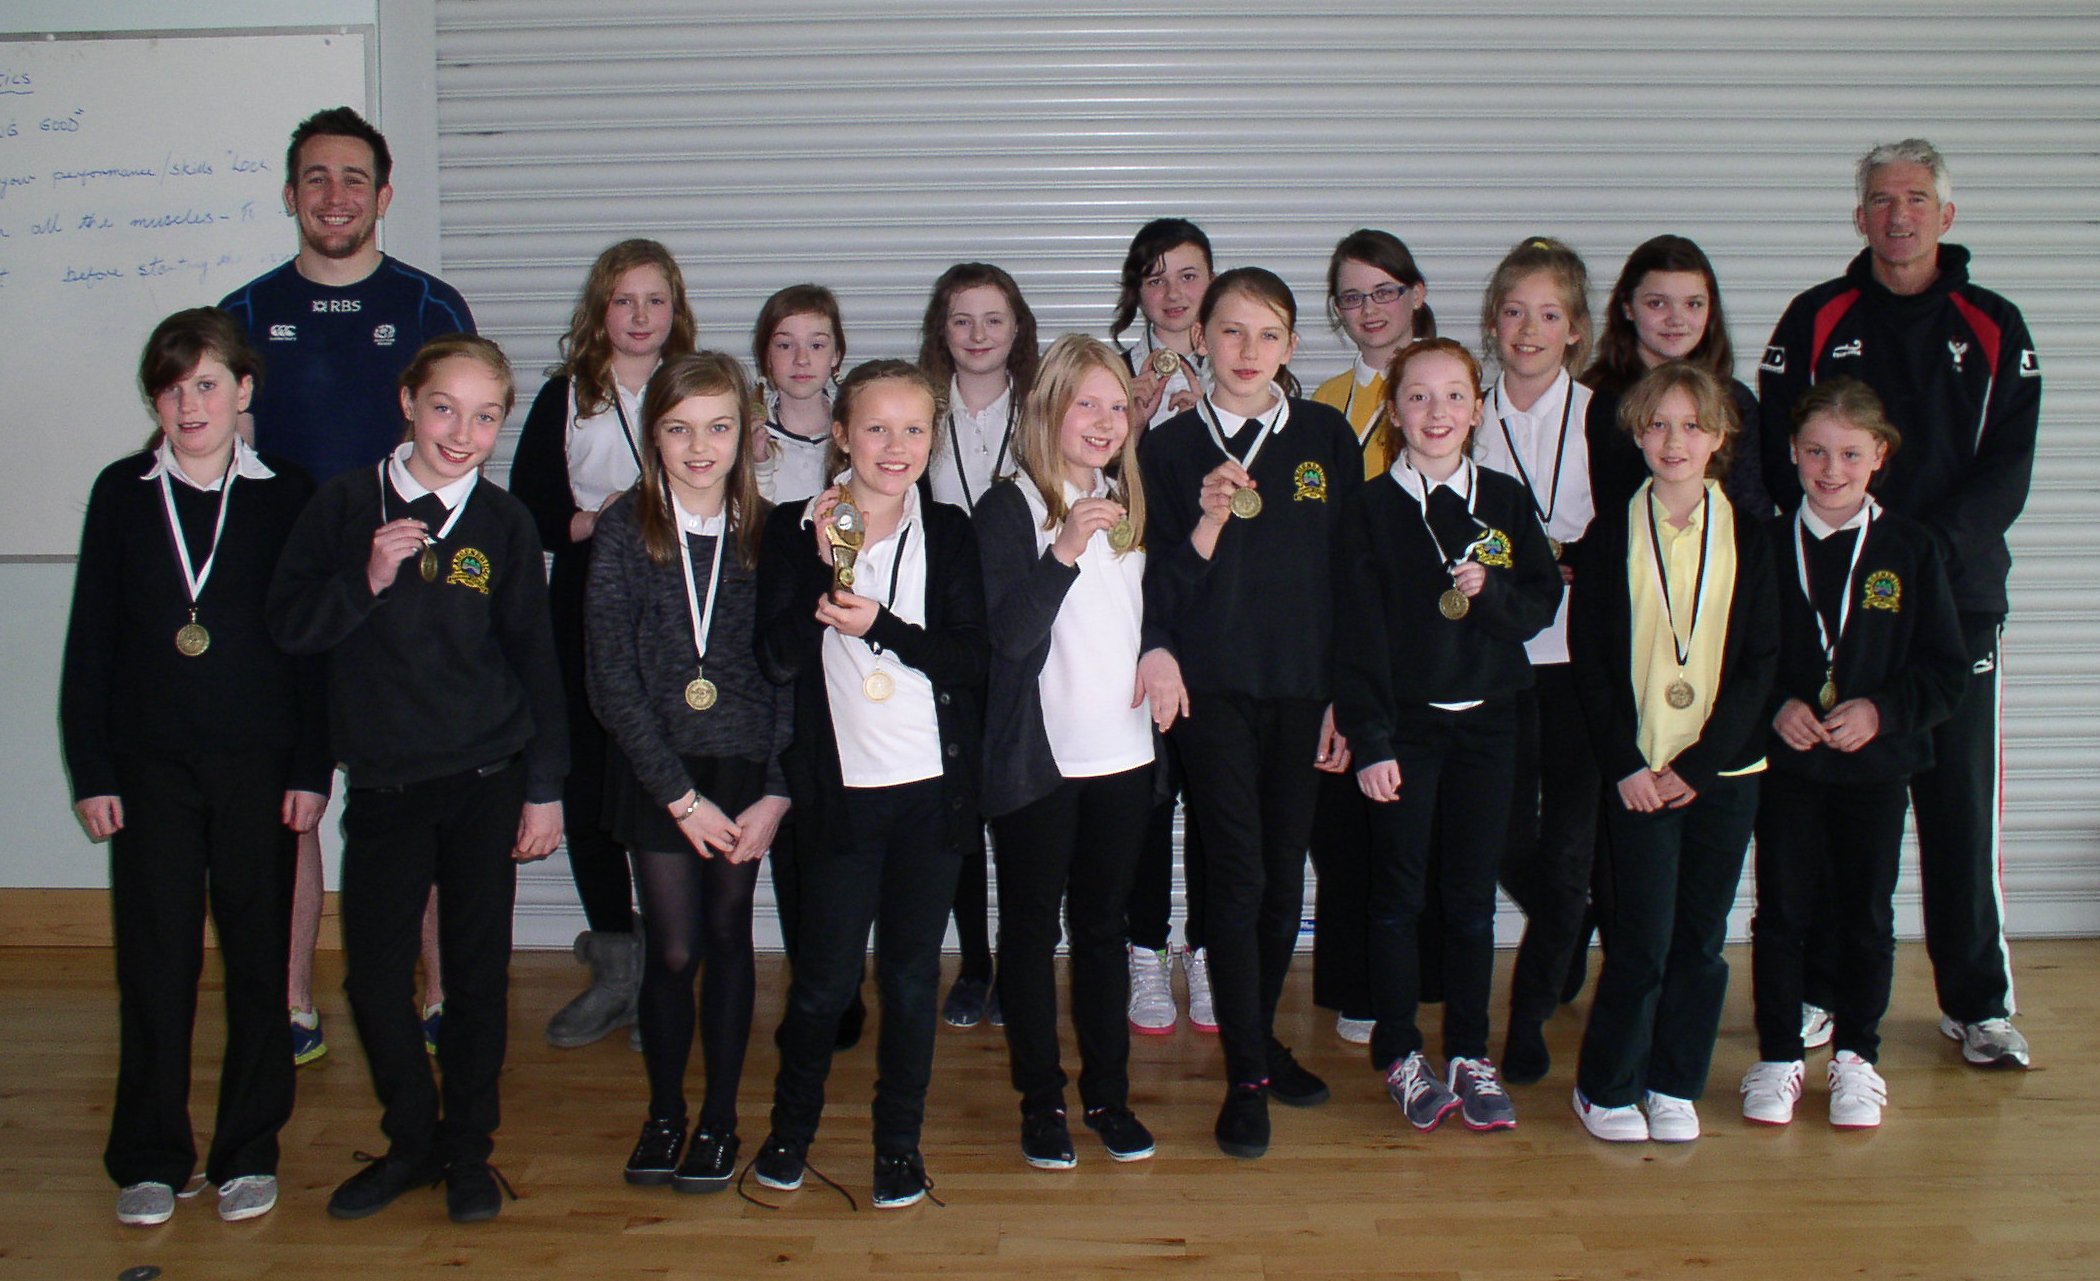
column 1542, row 255
column 1711, row 403
column 1066, row 365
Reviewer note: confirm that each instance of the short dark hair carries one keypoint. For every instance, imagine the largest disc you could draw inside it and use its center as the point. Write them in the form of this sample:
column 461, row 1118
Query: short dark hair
column 340, row 122
column 186, row 338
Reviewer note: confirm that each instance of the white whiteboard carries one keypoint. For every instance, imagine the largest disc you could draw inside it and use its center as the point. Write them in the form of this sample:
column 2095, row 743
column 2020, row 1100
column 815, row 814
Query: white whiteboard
column 138, row 176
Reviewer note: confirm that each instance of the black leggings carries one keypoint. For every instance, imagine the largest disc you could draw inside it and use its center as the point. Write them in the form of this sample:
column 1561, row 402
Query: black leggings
column 695, row 910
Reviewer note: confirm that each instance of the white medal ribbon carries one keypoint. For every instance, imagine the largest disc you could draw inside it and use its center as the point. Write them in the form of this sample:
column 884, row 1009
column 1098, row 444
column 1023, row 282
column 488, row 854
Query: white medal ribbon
column 194, row 579
column 444, row 531
column 1451, row 563
column 703, row 620
column 1830, row 643
column 1209, row 414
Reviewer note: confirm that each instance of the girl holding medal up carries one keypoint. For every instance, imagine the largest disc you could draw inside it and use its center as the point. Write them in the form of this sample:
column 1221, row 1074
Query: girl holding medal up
column 1870, row 659
column 579, row 451
column 1674, row 645
column 871, row 603
column 1164, row 276
column 427, row 590
column 698, row 793
column 1443, row 573
column 1242, row 495
column 197, row 749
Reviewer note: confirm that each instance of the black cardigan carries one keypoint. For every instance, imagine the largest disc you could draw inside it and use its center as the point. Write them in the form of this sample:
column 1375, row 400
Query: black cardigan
column 950, row 649
column 1600, row 644
column 539, row 478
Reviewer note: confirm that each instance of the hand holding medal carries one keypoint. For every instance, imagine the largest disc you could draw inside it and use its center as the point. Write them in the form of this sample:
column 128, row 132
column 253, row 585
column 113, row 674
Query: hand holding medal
column 392, row 544
column 1223, row 488
column 1088, row 517
column 1468, row 577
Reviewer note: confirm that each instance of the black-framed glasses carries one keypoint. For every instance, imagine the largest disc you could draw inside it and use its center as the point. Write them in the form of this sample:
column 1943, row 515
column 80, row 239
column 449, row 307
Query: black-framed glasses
column 1353, row 299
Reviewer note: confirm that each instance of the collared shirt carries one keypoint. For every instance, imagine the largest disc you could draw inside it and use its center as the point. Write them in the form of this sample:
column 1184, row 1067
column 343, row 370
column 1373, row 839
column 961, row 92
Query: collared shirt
column 1094, row 644
column 601, row 462
column 1359, row 392
column 794, row 465
column 411, row 489
column 1819, row 529
column 1276, row 416
column 1541, row 448
column 1418, row 486
column 1665, row 730
column 247, row 464
column 974, row 445
column 897, row 740
column 707, row 526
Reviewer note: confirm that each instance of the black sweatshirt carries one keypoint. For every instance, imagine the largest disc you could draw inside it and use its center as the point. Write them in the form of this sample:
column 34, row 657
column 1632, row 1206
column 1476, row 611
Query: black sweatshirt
column 1257, row 617
column 1902, row 647
column 125, row 689
column 1395, row 652
column 430, row 679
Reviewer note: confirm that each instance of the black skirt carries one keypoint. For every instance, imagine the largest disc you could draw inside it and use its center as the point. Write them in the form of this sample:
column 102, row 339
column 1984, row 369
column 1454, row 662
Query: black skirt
column 637, row 822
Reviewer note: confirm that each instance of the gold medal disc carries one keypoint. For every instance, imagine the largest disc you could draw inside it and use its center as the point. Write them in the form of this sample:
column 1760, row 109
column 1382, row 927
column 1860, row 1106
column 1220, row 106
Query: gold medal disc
column 1454, row 604
column 1557, row 546
column 191, row 640
column 1678, row 693
column 1165, row 363
column 1827, row 697
column 427, row 564
column 700, row 694
column 878, row 686
column 1121, row 535
column 1246, row 504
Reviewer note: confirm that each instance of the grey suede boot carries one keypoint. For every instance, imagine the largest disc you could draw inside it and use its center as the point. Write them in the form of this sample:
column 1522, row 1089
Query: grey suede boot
column 609, row 1002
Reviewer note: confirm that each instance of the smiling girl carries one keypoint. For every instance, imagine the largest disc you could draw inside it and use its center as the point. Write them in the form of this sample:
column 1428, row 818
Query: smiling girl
column 1165, row 274
column 579, row 451
column 426, row 589
column 798, row 346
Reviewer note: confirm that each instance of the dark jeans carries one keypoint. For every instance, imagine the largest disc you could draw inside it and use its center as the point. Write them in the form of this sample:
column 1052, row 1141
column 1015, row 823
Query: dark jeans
column 1252, row 783
column 456, row 833
column 196, row 830
column 1152, row 882
column 892, row 869
column 973, row 926
column 1552, row 839
column 1658, row 1004
column 1455, row 780
column 1827, row 856
column 1341, row 859
column 1074, row 848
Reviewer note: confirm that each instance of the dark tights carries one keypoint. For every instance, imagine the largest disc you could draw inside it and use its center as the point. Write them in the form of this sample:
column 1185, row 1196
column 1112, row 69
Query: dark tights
column 695, row 910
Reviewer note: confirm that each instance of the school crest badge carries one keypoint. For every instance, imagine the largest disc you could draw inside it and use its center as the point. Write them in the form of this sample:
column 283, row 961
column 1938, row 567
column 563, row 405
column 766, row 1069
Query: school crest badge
column 1883, row 591
column 1312, row 484
column 470, row 568
column 1491, row 549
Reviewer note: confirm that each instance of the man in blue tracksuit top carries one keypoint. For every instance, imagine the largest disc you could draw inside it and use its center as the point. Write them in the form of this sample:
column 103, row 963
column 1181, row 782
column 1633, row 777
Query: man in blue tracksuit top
column 1957, row 369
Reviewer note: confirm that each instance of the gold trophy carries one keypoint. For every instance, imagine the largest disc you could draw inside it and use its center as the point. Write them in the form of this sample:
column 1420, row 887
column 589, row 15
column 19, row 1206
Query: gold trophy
column 846, row 532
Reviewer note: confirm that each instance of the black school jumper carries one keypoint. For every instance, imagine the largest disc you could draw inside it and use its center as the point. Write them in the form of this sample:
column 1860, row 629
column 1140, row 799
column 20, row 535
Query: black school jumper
column 445, row 706
column 1830, row 823
column 1252, row 627
column 880, row 855
column 200, row 752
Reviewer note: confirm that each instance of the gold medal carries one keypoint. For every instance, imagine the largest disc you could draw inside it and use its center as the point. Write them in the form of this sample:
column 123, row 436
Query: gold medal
column 1165, row 363
column 191, row 639
column 1122, row 534
column 1678, row 693
column 1557, row 546
column 878, row 686
column 700, row 694
column 1827, row 697
column 1454, row 604
column 1246, row 504
column 427, row 564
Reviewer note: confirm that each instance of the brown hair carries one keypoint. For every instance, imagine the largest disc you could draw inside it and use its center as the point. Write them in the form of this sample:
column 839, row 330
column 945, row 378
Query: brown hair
column 1385, row 252
column 586, row 350
column 182, row 341
column 1148, row 248
column 706, row 373
column 340, row 122
column 865, row 375
column 1264, row 287
column 797, row 300
column 1711, row 402
column 1021, row 359
column 1542, row 254
column 472, row 347
column 1618, row 362
column 1854, row 403
column 1067, row 363
column 1395, row 439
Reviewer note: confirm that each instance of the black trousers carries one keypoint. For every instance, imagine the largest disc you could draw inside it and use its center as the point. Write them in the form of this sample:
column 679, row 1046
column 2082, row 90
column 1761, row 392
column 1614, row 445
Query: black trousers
column 198, row 830
column 597, row 863
column 1152, row 883
column 892, row 869
column 1341, row 859
column 1252, row 784
column 1552, row 839
column 1657, row 1007
column 1827, row 856
column 973, row 904
column 456, row 833
column 1455, row 780
column 1073, row 849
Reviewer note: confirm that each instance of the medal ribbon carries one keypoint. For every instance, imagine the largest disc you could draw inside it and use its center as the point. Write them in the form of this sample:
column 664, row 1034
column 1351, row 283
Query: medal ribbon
column 625, row 430
column 1560, row 454
column 1451, row 563
column 444, row 531
column 1209, row 414
column 1013, row 404
column 1830, row 643
column 194, row 578
column 1684, row 651
column 890, row 602
column 703, row 621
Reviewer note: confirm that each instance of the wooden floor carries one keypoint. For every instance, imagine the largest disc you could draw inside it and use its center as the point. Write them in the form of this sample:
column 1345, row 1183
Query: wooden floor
column 1974, row 1174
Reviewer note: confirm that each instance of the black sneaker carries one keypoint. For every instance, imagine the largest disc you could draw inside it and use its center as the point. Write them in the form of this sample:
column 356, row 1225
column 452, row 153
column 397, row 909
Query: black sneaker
column 374, row 1188
column 1525, row 1058
column 710, row 1163
column 656, row 1153
column 1125, row 1137
column 471, row 1191
column 1243, row 1123
column 900, row 1179
column 779, row 1163
column 1289, row 1082
column 966, row 1001
column 1046, row 1142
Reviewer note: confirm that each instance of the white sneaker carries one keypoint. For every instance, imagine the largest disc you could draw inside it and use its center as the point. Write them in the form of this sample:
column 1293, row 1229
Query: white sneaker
column 1670, row 1119
column 142, row 1205
column 1195, row 967
column 247, row 1197
column 1613, row 1125
column 1152, row 1009
column 1770, row 1091
column 1354, row 1031
column 1816, row 1026
column 1857, row 1092
column 1991, row 1043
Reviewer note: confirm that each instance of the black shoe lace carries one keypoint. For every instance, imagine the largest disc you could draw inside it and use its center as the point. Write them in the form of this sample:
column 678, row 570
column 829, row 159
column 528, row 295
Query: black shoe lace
column 914, row 1168
column 807, row 1168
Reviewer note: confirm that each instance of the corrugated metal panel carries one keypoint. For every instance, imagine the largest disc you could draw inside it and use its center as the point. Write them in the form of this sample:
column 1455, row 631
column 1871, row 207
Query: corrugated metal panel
column 869, row 145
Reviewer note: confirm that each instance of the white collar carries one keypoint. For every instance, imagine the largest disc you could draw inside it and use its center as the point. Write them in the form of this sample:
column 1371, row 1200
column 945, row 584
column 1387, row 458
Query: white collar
column 909, row 514
column 1415, row 482
column 1549, row 403
column 411, row 489
column 1366, row 373
column 1820, row 530
column 1073, row 493
column 1231, row 424
column 994, row 412
column 692, row 524
column 247, row 464
column 771, row 396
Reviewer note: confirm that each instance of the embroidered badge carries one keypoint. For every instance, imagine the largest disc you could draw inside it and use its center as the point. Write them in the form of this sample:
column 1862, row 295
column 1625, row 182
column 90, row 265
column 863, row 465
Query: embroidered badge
column 471, row 569
column 1884, row 591
column 1312, row 484
column 1491, row 548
